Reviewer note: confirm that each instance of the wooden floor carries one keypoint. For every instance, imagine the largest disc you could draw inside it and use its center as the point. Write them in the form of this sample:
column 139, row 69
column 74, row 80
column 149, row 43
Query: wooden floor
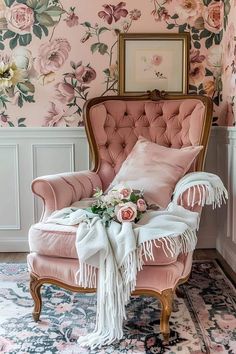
column 200, row 254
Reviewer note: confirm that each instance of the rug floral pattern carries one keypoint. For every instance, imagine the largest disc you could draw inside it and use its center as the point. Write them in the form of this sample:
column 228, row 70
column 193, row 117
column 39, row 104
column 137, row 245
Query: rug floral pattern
column 204, row 321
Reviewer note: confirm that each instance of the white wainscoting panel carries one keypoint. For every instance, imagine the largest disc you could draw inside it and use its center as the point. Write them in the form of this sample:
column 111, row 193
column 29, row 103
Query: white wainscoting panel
column 226, row 216
column 9, row 187
column 26, row 153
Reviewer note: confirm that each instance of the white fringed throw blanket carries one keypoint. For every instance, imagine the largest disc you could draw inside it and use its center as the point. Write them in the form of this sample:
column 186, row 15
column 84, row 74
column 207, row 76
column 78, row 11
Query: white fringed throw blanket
column 118, row 251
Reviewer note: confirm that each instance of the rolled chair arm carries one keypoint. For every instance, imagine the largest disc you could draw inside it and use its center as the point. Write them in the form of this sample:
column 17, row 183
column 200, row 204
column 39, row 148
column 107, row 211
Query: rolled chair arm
column 194, row 197
column 61, row 190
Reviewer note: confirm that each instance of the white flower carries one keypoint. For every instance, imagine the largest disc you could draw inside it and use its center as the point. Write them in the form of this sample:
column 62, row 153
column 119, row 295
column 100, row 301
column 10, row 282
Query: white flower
column 23, row 60
column 9, row 73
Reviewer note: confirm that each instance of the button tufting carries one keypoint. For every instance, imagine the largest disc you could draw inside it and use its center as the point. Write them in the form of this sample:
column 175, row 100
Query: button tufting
column 123, row 145
column 125, row 114
column 106, row 145
column 113, row 165
column 115, row 129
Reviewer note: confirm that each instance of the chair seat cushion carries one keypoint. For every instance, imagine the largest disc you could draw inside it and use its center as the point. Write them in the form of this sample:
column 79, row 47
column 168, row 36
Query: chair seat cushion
column 150, row 278
column 59, row 241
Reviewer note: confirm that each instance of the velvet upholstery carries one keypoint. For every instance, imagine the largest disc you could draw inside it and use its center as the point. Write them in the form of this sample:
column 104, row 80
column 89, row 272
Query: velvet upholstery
column 175, row 123
column 156, row 169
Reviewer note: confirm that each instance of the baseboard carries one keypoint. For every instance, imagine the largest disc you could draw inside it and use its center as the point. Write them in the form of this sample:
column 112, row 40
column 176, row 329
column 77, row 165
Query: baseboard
column 14, row 245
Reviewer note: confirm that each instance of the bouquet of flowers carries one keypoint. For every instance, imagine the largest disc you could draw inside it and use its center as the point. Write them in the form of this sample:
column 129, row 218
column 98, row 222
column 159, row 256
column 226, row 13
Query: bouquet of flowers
column 120, row 204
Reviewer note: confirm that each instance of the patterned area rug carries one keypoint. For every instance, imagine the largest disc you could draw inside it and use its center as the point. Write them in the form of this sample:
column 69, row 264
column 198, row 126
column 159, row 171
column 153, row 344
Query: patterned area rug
column 204, row 321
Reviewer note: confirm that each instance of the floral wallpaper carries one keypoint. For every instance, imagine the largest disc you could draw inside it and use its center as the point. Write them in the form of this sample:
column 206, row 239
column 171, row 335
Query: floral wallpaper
column 229, row 62
column 55, row 54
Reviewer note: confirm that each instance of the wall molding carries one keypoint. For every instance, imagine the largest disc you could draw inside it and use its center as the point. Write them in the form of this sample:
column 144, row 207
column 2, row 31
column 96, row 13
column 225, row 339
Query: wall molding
column 16, row 206
column 226, row 169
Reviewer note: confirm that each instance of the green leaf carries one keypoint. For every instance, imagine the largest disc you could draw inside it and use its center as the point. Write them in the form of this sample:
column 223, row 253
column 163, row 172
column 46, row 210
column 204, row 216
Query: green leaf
column 102, row 29
column 170, row 25
column 86, row 24
column 22, row 87
column 29, row 99
column 10, row 123
column 13, row 42
column 9, row 2
column 45, row 20
column 182, row 28
column 2, row 46
column 218, row 37
column 106, row 72
column 206, row 2
column 209, row 42
column 103, row 48
column 42, row 5
column 175, row 16
column 205, row 33
column 25, row 39
column 45, row 30
column 197, row 45
column 37, row 31
column 20, row 101
column 192, row 88
column 21, row 125
column 94, row 47
column 21, row 120
column 208, row 72
column 216, row 100
column 195, row 36
column 9, row 34
column 32, row 3
column 54, row 11
column 26, row 87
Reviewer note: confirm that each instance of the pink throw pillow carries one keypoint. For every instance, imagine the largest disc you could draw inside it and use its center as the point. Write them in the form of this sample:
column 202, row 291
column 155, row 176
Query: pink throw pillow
column 156, row 169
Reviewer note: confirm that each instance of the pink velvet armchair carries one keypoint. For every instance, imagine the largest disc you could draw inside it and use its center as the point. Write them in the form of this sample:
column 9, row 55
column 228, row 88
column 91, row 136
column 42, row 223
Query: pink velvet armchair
column 113, row 125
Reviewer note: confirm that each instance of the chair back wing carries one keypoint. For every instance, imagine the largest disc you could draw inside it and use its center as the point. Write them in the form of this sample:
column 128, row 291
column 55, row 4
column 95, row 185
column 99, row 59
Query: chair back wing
column 113, row 125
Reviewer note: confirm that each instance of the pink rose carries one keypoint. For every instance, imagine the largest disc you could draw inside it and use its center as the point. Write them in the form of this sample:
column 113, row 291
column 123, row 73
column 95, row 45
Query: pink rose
column 20, row 18
column 127, row 212
column 156, row 60
column 64, row 92
column 52, row 56
column 141, row 205
column 213, row 16
column 125, row 192
column 85, row 74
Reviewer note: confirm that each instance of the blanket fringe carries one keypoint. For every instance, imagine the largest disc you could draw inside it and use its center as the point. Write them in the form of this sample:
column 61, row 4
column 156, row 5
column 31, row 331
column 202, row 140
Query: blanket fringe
column 171, row 245
column 86, row 276
column 210, row 192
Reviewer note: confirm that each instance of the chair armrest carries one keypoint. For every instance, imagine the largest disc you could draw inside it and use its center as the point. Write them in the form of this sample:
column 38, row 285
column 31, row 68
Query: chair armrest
column 61, row 190
column 195, row 198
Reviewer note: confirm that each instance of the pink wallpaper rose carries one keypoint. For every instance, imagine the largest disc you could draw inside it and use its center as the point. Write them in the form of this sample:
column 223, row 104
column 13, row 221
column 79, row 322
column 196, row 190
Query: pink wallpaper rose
column 65, row 52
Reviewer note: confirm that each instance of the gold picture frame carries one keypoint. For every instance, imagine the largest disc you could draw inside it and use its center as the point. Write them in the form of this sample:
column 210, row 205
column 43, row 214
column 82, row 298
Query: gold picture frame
column 149, row 61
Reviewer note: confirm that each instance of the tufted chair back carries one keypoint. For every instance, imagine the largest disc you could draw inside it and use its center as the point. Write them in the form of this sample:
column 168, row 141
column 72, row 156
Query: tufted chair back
column 113, row 125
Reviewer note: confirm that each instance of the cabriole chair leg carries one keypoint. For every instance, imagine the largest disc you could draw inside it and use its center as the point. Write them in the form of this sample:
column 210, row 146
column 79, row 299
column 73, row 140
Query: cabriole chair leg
column 166, row 298
column 35, row 287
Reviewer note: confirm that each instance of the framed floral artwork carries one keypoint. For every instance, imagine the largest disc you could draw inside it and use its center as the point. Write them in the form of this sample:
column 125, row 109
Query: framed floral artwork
column 149, row 61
